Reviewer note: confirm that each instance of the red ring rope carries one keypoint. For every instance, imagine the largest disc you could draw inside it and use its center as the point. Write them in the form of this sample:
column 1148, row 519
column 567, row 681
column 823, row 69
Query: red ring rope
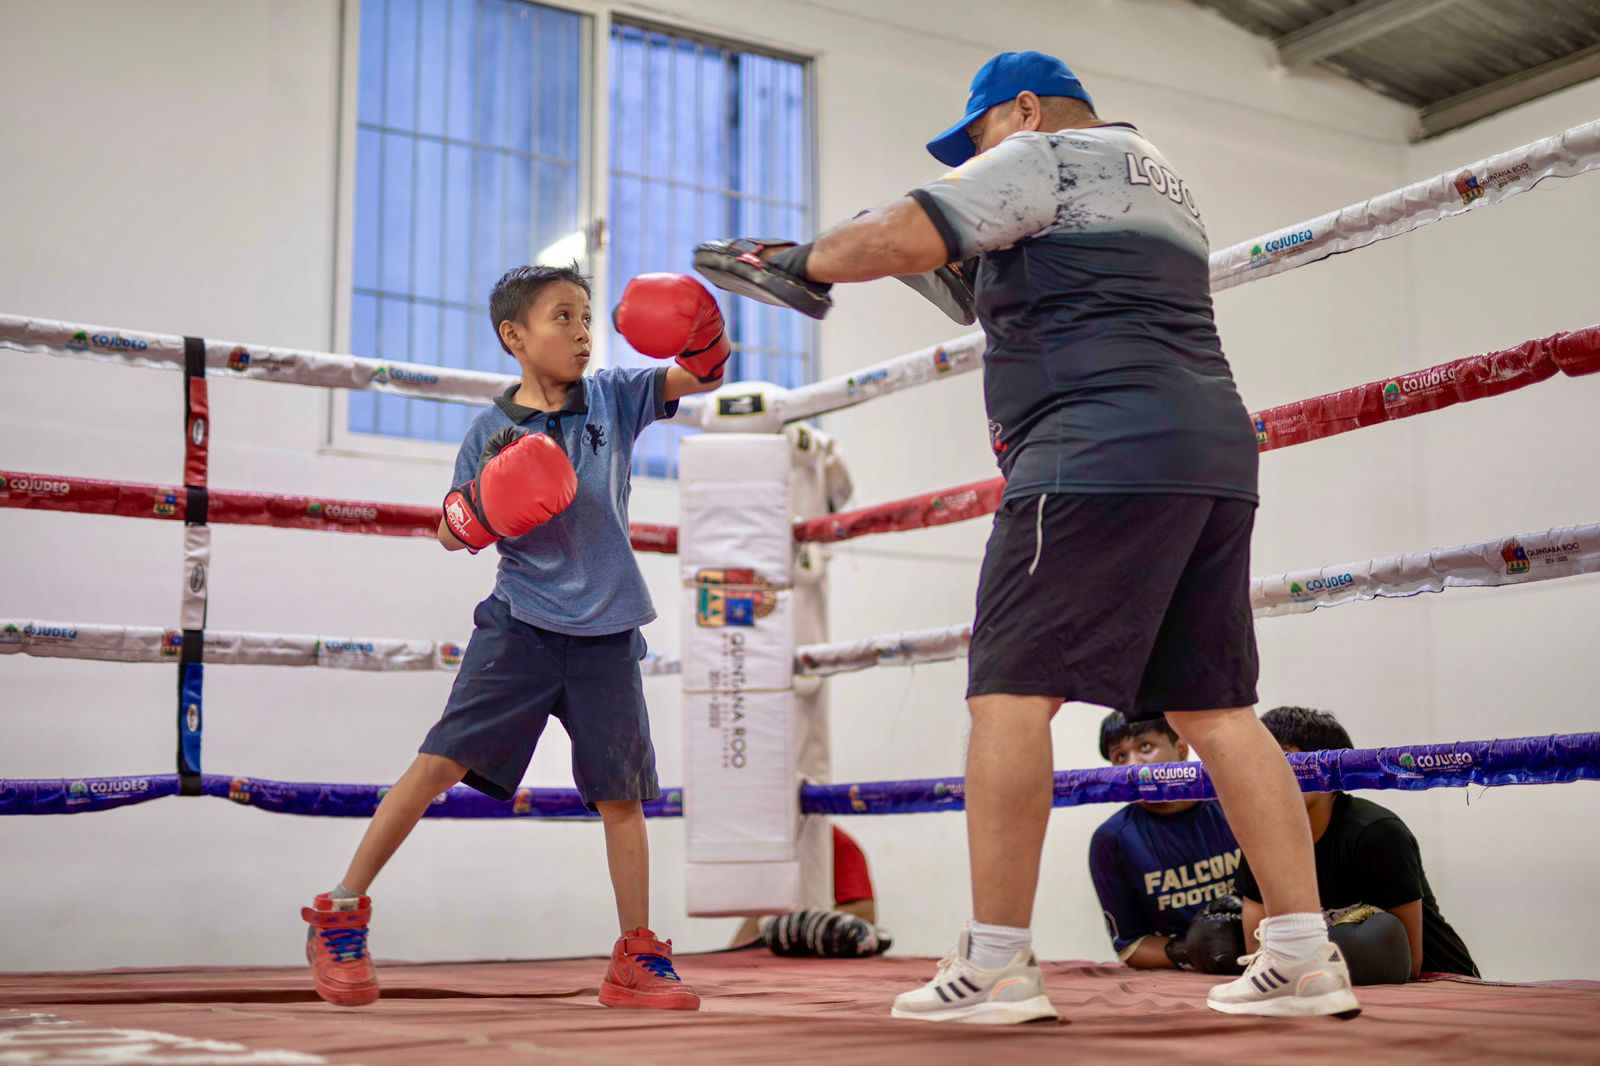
column 1460, row 381
column 50, row 492
column 1476, row 377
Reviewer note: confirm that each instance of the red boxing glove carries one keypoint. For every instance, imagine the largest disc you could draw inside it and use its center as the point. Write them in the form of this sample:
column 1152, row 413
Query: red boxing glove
column 672, row 316
column 524, row 480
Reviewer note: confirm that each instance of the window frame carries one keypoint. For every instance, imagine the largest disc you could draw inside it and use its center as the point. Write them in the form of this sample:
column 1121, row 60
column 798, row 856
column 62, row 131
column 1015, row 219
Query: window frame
column 808, row 65
column 594, row 119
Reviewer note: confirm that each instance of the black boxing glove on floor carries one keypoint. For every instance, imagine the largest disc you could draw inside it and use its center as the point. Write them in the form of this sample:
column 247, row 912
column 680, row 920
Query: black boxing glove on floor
column 822, row 935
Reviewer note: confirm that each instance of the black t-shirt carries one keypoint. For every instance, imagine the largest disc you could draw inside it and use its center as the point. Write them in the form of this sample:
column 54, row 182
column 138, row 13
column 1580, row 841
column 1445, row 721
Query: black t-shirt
column 1369, row 856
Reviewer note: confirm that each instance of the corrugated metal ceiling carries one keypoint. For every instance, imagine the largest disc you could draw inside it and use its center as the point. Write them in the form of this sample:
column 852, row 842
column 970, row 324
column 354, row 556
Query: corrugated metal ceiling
column 1455, row 61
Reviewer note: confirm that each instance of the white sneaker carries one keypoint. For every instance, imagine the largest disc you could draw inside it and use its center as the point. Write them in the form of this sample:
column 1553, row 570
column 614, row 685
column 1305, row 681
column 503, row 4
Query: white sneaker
column 1276, row 988
column 963, row 992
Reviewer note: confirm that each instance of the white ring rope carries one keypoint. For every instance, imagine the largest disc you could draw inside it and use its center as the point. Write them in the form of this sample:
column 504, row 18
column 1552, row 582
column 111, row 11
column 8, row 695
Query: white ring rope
column 1492, row 181
column 1456, row 191
column 151, row 644
column 1487, row 182
column 1517, row 560
column 1553, row 553
column 1566, row 551
column 230, row 359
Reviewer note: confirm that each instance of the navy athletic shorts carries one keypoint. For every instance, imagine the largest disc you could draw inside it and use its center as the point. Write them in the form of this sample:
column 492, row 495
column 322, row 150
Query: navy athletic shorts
column 515, row 677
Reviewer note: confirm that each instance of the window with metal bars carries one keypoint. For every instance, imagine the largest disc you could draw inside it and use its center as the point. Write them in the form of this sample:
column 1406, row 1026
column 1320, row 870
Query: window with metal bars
column 469, row 160
column 708, row 139
column 469, row 147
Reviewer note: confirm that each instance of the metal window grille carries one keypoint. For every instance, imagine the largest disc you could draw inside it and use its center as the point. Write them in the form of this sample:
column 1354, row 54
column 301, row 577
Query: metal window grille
column 468, row 162
column 708, row 139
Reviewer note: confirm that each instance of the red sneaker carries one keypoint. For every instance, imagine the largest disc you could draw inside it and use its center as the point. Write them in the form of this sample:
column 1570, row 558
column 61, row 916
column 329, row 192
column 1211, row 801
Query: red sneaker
column 641, row 975
column 336, row 948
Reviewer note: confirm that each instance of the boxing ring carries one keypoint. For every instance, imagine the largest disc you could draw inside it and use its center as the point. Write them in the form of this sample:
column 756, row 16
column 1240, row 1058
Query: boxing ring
column 757, row 1007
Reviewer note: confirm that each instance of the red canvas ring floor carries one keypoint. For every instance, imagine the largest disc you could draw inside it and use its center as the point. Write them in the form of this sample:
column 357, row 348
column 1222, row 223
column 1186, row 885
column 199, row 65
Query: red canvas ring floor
column 758, row 1009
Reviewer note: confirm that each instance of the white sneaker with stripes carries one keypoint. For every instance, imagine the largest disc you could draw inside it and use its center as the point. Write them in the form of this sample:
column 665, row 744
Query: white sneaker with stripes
column 964, row 992
column 1276, row 988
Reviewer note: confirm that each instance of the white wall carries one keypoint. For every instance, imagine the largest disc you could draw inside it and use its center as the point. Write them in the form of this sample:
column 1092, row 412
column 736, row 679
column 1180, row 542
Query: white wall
column 173, row 166
column 1513, row 662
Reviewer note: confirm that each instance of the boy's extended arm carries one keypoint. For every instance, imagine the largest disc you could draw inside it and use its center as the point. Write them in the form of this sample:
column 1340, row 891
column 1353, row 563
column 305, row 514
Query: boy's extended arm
column 681, row 383
column 447, row 539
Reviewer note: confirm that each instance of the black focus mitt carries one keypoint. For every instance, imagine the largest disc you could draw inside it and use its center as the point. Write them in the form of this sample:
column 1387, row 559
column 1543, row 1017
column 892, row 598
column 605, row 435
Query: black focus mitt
column 779, row 278
column 949, row 288
column 1215, row 938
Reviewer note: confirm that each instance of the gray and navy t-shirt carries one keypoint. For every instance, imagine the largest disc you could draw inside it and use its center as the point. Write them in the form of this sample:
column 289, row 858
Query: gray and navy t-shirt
column 576, row 574
column 1104, row 372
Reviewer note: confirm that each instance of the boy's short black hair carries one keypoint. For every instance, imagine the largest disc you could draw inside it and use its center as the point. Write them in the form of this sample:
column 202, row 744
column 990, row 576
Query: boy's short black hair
column 1114, row 729
column 1306, row 729
column 518, row 287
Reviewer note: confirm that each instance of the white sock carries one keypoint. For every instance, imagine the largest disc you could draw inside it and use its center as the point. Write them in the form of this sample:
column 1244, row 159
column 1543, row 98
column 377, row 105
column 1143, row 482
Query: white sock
column 344, row 899
column 1294, row 937
column 992, row 947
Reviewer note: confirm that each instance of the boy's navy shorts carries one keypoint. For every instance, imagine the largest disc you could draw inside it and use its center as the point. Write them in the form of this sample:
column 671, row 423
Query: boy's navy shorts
column 1140, row 603
column 514, row 677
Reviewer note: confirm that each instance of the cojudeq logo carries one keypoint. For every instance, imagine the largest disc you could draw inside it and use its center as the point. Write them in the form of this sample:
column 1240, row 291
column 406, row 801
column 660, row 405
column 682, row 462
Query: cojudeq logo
column 24, row 485
column 1399, row 389
column 350, row 512
column 106, row 788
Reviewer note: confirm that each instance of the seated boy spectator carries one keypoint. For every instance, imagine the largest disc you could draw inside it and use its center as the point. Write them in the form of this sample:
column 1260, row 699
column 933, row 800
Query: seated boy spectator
column 1365, row 855
column 1156, row 866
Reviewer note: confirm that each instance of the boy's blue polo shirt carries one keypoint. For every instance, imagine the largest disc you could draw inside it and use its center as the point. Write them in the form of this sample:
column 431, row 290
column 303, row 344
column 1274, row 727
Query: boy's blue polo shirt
column 576, row 574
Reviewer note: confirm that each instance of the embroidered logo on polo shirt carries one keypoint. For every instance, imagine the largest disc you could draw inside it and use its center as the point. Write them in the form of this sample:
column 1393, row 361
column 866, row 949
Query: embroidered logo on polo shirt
column 597, row 437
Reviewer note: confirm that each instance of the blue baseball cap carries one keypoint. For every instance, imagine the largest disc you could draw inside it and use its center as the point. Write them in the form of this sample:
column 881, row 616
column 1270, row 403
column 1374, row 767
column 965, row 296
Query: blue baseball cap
column 1005, row 77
